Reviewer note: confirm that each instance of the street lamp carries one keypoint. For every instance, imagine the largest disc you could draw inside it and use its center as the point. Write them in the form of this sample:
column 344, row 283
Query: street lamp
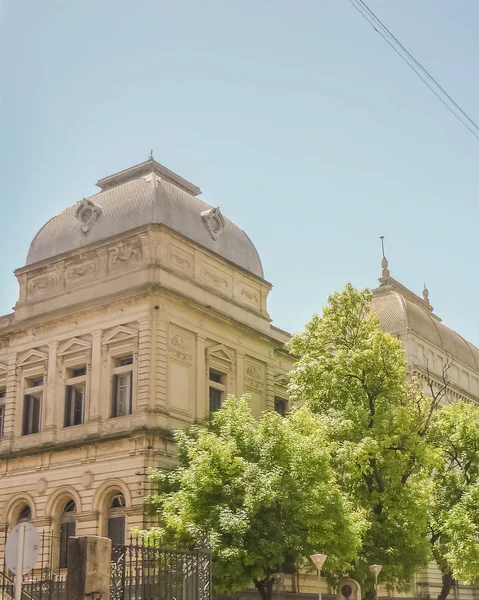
column 375, row 570
column 318, row 560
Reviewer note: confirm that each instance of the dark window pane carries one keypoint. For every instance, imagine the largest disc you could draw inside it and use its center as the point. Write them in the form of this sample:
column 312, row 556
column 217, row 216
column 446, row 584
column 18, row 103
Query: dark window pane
column 37, row 382
column 78, row 405
column 79, row 372
column 280, row 406
column 35, row 415
column 215, row 399
column 31, row 415
column 118, row 501
column 67, row 530
column 25, row 514
column 122, row 394
column 123, row 362
column 216, row 376
column 116, row 530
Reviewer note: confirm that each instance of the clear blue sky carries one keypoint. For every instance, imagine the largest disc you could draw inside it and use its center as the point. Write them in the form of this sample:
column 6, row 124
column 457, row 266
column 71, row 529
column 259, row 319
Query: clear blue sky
column 295, row 118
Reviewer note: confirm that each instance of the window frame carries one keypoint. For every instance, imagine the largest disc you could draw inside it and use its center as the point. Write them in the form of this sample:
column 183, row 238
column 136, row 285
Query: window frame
column 285, row 403
column 34, row 392
column 73, row 384
column 115, row 515
column 119, row 371
column 217, row 386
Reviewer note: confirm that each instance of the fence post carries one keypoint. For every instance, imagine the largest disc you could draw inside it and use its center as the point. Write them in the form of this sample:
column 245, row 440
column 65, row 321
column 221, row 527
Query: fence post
column 89, row 560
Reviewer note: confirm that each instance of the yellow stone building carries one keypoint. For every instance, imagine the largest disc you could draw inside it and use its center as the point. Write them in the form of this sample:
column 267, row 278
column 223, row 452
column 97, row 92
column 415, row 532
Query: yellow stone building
column 140, row 308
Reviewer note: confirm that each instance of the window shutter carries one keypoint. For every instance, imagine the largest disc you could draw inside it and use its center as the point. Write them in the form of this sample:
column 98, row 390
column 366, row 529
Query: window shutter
column 68, row 406
column 114, row 394
column 78, row 406
column 131, row 394
column 36, row 408
column 26, row 413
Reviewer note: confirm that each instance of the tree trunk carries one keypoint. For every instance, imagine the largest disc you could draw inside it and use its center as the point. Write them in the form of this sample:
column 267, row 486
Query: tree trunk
column 447, row 583
column 265, row 588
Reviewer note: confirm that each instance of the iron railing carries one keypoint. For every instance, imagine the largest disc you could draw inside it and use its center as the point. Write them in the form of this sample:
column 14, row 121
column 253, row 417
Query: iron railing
column 141, row 571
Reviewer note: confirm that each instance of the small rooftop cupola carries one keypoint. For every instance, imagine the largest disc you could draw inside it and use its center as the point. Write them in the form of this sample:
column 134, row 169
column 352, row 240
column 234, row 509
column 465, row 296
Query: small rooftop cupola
column 146, row 168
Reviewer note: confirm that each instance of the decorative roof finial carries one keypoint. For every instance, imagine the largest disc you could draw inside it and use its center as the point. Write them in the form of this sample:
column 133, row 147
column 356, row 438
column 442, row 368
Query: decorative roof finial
column 151, row 155
column 425, row 296
column 384, row 261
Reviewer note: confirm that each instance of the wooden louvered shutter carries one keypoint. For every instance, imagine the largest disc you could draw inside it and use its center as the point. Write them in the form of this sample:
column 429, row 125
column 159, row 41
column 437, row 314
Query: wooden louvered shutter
column 26, row 414
column 68, row 406
column 131, row 394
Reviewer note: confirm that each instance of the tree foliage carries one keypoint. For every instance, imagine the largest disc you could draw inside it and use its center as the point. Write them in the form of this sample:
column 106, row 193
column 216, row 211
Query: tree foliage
column 355, row 375
column 262, row 492
column 454, row 516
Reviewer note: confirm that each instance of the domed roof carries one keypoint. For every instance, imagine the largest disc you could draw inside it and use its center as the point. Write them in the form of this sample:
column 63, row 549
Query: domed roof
column 400, row 310
column 146, row 193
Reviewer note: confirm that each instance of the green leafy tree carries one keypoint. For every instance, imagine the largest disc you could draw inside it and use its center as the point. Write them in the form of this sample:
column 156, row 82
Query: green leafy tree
column 355, row 375
column 263, row 493
column 454, row 516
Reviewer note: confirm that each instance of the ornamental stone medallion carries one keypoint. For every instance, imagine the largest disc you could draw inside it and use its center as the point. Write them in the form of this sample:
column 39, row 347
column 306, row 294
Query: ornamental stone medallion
column 214, row 222
column 87, row 213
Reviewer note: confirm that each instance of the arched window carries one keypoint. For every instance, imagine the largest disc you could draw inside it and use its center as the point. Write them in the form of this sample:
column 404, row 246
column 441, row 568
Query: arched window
column 67, row 530
column 25, row 514
column 116, row 519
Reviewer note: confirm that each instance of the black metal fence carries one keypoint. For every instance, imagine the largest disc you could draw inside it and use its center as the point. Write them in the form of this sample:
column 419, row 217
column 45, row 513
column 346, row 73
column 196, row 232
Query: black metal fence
column 140, row 571
column 43, row 583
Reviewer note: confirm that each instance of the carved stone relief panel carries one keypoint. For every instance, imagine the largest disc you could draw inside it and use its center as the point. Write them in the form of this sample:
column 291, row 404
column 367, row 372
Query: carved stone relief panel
column 249, row 295
column 254, row 374
column 41, row 285
column 181, row 373
column 179, row 259
column 216, row 278
column 81, row 271
column 181, row 344
column 125, row 253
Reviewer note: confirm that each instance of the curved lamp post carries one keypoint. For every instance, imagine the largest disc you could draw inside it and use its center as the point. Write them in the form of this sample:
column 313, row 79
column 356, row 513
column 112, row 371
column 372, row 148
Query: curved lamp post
column 375, row 570
column 318, row 560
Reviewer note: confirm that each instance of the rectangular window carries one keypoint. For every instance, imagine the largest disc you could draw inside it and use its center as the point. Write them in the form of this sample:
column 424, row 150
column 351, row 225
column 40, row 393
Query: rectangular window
column 74, row 400
column 122, row 388
column 280, row 406
column 217, row 390
column 67, row 530
column 116, row 530
column 75, row 393
column 31, row 414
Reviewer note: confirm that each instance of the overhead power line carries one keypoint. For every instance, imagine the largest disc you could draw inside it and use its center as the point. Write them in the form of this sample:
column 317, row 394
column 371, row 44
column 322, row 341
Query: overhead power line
column 416, row 66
